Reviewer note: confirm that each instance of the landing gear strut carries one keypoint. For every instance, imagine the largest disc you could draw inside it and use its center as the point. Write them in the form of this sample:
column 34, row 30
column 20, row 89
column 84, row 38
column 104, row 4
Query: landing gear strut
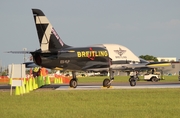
column 107, row 82
column 73, row 82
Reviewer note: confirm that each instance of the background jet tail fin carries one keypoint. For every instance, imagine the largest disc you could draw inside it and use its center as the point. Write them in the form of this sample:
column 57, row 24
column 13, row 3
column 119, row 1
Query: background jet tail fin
column 48, row 37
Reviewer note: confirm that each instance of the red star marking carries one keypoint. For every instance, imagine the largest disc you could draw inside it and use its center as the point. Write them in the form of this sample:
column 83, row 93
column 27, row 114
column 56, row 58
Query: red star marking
column 91, row 55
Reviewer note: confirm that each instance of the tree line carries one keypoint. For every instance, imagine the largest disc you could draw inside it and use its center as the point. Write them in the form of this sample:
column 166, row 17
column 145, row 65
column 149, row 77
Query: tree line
column 149, row 58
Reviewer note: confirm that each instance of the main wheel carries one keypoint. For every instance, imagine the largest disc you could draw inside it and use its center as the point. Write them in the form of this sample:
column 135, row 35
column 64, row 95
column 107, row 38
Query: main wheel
column 133, row 83
column 73, row 83
column 105, row 83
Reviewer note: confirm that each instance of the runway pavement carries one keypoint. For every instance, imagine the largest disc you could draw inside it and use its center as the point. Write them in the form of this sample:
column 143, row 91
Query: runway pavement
column 122, row 86
column 96, row 86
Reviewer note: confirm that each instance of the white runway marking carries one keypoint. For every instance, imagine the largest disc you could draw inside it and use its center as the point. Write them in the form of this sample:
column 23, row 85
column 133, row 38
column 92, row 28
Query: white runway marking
column 117, row 87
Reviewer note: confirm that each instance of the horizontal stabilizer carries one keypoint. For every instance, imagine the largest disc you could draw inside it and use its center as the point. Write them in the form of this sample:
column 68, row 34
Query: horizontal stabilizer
column 19, row 52
column 29, row 52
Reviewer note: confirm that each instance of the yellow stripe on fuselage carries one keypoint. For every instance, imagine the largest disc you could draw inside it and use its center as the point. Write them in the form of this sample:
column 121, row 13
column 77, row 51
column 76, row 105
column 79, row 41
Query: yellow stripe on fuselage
column 159, row 65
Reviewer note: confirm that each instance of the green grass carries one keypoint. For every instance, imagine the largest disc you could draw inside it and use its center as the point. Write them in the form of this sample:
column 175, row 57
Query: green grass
column 117, row 79
column 137, row 103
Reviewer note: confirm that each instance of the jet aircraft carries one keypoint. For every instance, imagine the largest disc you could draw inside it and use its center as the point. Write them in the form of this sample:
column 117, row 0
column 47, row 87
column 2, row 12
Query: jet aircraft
column 55, row 54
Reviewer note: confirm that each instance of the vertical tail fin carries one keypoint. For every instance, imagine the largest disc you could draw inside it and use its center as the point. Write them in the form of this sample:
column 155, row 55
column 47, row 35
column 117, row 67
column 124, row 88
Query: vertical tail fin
column 48, row 37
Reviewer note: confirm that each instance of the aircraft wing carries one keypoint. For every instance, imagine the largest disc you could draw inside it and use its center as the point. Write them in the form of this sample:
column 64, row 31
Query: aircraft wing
column 140, row 65
column 126, row 66
column 96, row 66
column 29, row 52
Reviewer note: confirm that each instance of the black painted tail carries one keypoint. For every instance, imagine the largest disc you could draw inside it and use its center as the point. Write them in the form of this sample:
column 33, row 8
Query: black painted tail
column 48, row 37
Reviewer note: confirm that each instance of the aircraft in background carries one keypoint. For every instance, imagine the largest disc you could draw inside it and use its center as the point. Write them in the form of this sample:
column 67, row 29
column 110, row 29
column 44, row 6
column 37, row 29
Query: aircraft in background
column 123, row 58
column 141, row 64
column 55, row 54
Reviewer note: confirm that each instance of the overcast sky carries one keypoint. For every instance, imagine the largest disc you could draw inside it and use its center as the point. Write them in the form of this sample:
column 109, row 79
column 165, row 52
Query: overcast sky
column 144, row 26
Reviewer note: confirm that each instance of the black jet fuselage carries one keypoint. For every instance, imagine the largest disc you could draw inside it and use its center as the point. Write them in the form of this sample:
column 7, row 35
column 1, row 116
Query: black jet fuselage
column 73, row 58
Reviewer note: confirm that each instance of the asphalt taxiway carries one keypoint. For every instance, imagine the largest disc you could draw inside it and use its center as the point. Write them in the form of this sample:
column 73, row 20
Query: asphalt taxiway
column 96, row 86
column 140, row 85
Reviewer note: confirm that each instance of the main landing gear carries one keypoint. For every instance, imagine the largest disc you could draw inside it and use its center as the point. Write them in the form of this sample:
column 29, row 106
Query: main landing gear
column 132, row 81
column 73, row 82
column 133, row 78
column 107, row 82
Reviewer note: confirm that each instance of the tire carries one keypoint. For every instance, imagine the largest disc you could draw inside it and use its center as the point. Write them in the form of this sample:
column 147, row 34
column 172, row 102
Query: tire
column 73, row 83
column 133, row 83
column 154, row 79
column 105, row 83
